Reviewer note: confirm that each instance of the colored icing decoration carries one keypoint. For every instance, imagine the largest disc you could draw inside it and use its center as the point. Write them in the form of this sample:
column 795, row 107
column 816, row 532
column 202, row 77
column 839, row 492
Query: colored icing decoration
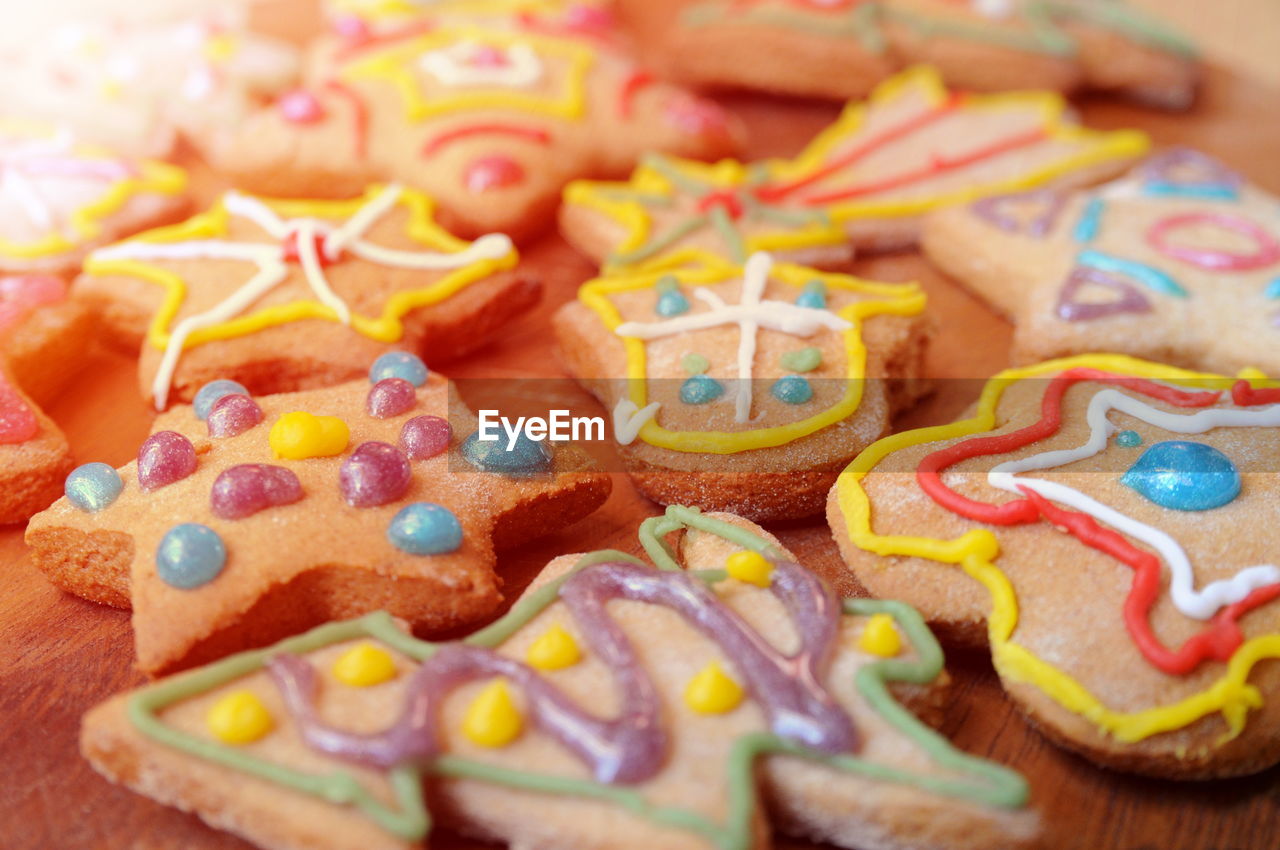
column 814, row 296
column 555, row 649
column 239, row 718
column 399, row 364
column 671, row 301
column 492, row 719
column 375, row 474
column 243, row 490
column 695, row 117
column 301, row 107
column 232, row 415
column 210, row 393
column 701, row 389
column 190, row 555
column 879, row 637
column 425, row 436
column 390, row 397
column 628, row 419
column 801, row 360
column 423, row 528
column 1129, row 439
column 93, row 486
column 1003, row 211
column 694, row 364
column 711, row 691
column 1149, row 276
column 472, row 64
column 1072, row 308
column 364, row 665
column 1087, row 227
column 1184, row 476
column 300, row 435
column 163, row 458
column 526, row 456
column 21, row 294
column 1266, row 248
column 18, row 422
column 751, row 567
column 492, row 172
column 792, row 389
column 1183, row 172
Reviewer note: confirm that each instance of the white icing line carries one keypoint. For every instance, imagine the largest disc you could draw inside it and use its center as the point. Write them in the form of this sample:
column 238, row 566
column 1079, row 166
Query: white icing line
column 257, row 212
column 629, row 419
column 453, row 66
column 355, row 227
column 493, row 246
column 309, row 259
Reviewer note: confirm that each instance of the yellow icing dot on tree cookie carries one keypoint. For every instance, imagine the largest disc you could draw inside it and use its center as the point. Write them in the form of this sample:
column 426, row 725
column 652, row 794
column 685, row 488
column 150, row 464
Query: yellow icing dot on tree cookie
column 364, row 665
column 239, row 718
column 751, row 567
column 880, row 637
column 711, row 691
column 492, row 719
column 300, row 435
column 554, row 650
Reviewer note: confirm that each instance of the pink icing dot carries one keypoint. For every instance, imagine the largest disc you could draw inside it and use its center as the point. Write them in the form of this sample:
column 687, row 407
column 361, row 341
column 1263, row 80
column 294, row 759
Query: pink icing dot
column 492, row 172
column 300, row 107
column 232, row 415
column 586, row 18
column 390, row 397
column 375, row 474
column 425, row 436
column 351, row 27
column 164, row 458
column 17, row 420
column 20, row 294
column 696, row 117
column 243, row 490
column 488, row 56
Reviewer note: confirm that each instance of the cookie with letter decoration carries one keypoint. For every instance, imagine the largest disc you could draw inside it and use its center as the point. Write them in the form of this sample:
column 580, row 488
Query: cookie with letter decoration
column 706, row 702
column 247, row 519
column 283, row 295
column 863, row 183
column 744, row 388
column 842, row 48
column 492, row 108
column 1105, row 523
column 1178, row 261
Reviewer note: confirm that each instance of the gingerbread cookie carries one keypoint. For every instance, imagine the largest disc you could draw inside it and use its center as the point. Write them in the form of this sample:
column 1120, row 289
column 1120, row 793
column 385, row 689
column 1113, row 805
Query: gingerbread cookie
column 1179, row 262
column 863, row 183
column 744, row 388
column 698, row 710
column 1108, row 520
column 842, row 48
column 60, row 198
column 248, row 519
column 490, row 111
column 283, row 295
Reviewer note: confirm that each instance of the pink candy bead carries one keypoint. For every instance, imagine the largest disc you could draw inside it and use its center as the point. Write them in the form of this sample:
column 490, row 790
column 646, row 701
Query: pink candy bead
column 492, row 172
column 164, row 458
column 375, row 474
column 425, row 436
column 232, row 415
column 300, row 107
column 244, row 490
column 390, row 397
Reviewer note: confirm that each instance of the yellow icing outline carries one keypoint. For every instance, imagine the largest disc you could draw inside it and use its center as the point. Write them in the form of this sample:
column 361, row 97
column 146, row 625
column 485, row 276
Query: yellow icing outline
column 390, row 65
column 976, row 552
column 387, row 327
column 901, row 299
column 382, row 10
column 153, row 177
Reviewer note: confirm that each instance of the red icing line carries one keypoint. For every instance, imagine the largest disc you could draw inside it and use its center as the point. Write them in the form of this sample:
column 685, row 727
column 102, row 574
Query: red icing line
column 635, row 81
column 1267, row 253
column 1243, row 394
column 359, row 117
column 17, row 420
column 532, row 134
column 356, row 44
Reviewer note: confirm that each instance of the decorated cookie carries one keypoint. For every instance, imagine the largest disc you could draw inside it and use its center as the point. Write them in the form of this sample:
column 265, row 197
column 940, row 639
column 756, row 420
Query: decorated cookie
column 492, row 110
column 744, row 388
column 704, row 708
column 1179, row 261
column 842, row 48
column 60, row 198
column 247, row 519
column 138, row 86
column 284, row 295
column 863, row 183
column 1108, row 520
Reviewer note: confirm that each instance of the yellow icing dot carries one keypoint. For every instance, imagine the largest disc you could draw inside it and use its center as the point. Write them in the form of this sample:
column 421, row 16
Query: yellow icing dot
column 492, row 719
column 300, row 435
column 880, row 637
column 220, row 48
column 239, row 718
column 555, row 650
column 712, row 691
column 364, row 665
column 751, row 567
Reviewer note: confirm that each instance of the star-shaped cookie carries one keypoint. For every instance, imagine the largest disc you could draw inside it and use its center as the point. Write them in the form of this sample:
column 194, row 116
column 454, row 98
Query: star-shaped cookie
column 277, row 513
column 1178, row 261
column 863, row 182
column 667, row 717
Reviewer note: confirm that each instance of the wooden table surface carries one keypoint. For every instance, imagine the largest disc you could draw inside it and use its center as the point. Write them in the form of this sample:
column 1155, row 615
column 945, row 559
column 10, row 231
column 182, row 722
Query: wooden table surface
column 60, row 655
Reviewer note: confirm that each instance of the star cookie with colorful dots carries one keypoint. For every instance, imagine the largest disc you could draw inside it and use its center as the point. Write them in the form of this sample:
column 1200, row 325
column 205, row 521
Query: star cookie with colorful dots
column 288, row 294
column 1178, row 261
column 1106, row 522
column 490, row 109
column 722, row 677
column 863, row 183
column 246, row 519
column 744, row 388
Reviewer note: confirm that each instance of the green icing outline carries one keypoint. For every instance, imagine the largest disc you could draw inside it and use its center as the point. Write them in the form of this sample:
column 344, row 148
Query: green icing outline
column 997, row 786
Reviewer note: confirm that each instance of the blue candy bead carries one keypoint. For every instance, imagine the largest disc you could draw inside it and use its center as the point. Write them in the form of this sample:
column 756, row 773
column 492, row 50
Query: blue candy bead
column 399, row 364
column 700, row 389
column 814, row 295
column 424, row 528
column 190, row 555
column 672, row 304
column 792, row 389
column 1184, row 476
column 526, row 456
column 209, row 394
column 1128, row 439
column 93, row 486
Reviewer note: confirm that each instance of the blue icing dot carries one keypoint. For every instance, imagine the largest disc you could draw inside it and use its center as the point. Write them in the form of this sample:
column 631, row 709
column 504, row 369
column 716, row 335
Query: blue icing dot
column 672, row 304
column 814, row 295
column 209, row 394
column 700, row 389
column 493, row 455
column 190, row 555
column 93, row 486
column 1184, row 476
column 792, row 389
column 399, row 364
column 425, row 528
column 1128, row 439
